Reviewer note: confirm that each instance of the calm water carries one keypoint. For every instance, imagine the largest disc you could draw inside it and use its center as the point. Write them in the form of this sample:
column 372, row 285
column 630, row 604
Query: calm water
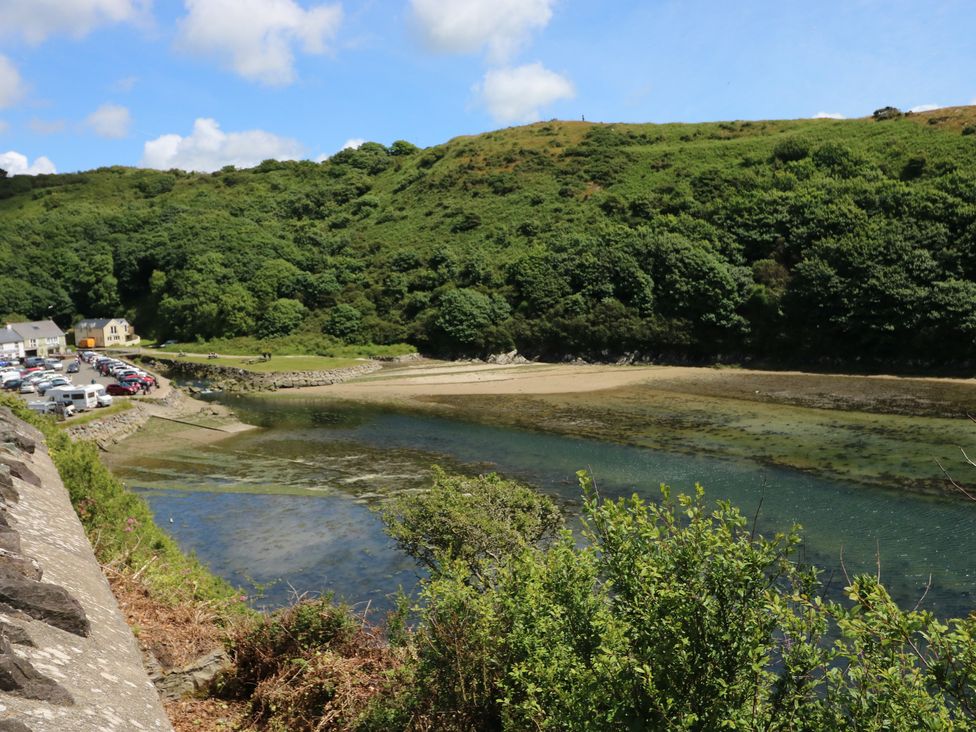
column 289, row 506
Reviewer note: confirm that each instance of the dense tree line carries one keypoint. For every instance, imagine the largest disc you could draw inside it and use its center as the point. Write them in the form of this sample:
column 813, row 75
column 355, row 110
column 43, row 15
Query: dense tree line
column 841, row 240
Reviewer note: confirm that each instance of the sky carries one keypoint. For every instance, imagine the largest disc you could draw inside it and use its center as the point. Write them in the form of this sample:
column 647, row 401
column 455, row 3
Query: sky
column 199, row 84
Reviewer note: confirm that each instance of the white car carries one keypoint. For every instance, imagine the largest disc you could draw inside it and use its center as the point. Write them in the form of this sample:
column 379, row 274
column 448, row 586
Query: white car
column 26, row 388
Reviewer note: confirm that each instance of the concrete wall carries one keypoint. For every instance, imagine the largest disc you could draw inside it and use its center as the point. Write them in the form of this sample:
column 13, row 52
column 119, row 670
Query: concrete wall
column 68, row 660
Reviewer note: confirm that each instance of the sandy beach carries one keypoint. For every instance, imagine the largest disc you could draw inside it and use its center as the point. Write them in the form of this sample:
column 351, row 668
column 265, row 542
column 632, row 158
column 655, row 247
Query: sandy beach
column 876, row 393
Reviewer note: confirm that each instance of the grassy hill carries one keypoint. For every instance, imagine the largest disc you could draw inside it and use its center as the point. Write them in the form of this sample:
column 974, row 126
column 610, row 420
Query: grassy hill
column 841, row 240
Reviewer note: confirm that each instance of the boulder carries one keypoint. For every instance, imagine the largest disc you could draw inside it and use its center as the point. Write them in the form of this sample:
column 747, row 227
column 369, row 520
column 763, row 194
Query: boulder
column 16, row 635
column 191, row 678
column 22, row 442
column 16, row 562
column 43, row 601
column 19, row 469
column 19, row 677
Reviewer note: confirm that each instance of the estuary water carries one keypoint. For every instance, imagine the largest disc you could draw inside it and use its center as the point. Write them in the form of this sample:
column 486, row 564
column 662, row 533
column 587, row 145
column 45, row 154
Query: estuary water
column 288, row 509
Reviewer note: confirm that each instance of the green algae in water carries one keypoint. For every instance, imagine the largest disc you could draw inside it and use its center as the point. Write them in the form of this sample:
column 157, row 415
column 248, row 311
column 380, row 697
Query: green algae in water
column 303, row 514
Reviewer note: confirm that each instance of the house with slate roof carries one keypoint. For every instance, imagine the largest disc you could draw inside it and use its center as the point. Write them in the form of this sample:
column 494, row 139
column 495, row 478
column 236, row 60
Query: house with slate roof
column 11, row 344
column 40, row 337
column 106, row 332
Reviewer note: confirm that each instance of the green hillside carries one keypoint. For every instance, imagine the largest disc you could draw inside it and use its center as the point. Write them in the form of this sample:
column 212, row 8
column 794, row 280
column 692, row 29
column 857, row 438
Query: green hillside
column 808, row 240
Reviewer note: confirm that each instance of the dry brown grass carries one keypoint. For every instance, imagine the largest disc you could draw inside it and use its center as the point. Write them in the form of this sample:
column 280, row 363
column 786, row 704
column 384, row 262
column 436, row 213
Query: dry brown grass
column 310, row 667
column 174, row 634
column 205, row 715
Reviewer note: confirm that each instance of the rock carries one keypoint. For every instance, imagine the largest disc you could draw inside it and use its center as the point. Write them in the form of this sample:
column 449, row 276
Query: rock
column 18, row 676
column 23, row 442
column 195, row 676
column 24, row 566
column 12, row 725
column 7, row 490
column 43, row 601
column 9, row 539
column 19, row 469
column 505, row 359
column 16, row 635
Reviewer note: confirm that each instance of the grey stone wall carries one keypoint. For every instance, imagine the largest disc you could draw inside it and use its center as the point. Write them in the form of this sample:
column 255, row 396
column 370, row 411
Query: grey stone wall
column 68, row 660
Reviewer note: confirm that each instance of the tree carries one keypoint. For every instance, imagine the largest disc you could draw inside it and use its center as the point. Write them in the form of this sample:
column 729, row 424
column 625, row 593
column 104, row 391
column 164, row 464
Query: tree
column 464, row 317
column 282, row 317
column 343, row 321
column 470, row 520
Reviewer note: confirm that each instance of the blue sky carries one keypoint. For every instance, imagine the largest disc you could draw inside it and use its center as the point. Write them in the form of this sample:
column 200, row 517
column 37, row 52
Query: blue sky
column 198, row 84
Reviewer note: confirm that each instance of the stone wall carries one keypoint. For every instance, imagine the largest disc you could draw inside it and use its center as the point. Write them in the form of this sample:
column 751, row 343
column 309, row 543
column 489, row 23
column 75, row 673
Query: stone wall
column 68, row 660
column 230, row 378
column 113, row 427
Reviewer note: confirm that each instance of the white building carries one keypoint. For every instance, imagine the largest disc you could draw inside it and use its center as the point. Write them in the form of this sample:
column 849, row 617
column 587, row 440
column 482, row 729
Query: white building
column 40, row 337
column 11, row 344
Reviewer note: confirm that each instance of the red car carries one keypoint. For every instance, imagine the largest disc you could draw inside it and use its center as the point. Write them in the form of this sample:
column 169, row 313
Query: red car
column 122, row 389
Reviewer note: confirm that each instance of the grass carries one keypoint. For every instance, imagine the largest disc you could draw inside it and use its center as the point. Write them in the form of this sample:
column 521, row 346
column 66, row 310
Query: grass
column 118, row 406
column 298, row 344
column 276, row 364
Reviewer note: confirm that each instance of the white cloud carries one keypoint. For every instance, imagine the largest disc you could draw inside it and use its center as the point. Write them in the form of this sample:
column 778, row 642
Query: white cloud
column 467, row 26
column 352, row 143
column 516, row 94
column 829, row 115
column 255, row 38
column 926, row 108
column 209, row 148
column 16, row 164
column 35, row 20
column 110, row 120
column 11, row 86
column 46, row 126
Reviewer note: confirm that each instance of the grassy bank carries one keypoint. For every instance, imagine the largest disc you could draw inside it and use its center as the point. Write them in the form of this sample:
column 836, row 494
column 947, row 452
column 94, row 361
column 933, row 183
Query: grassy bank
column 299, row 344
column 272, row 365
column 117, row 407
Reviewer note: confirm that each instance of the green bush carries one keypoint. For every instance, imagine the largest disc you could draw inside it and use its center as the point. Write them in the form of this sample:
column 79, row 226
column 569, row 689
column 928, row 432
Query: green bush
column 672, row 616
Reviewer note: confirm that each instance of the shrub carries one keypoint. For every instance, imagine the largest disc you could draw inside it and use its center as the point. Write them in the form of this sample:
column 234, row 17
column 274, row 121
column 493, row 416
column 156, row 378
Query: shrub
column 790, row 150
column 311, row 666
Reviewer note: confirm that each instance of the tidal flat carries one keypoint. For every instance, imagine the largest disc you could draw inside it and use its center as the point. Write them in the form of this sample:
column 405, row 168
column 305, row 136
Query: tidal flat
column 880, row 430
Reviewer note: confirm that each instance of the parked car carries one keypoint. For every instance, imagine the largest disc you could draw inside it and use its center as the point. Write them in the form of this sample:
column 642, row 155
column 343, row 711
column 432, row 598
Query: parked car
column 122, row 389
column 43, row 386
column 73, row 368
column 26, row 387
column 12, row 384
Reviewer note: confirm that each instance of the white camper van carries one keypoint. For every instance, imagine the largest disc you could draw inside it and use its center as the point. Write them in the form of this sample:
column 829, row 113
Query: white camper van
column 83, row 397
